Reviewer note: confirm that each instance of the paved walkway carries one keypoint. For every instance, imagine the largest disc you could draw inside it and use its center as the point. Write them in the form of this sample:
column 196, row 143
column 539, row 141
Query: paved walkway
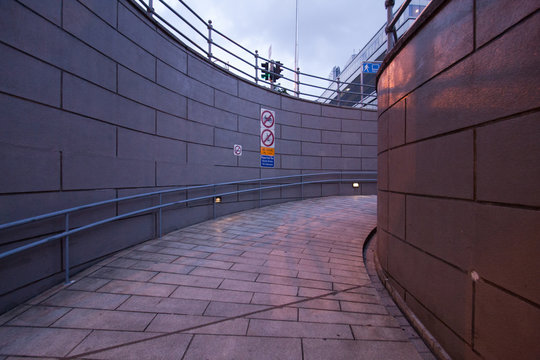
column 281, row 282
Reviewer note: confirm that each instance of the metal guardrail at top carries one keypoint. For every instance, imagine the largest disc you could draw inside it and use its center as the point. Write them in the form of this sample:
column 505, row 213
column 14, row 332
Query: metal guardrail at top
column 392, row 21
column 205, row 39
column 336, row 177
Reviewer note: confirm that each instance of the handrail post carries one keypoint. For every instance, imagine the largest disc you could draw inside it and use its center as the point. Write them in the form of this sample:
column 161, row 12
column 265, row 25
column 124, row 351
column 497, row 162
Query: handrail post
column 209, row 39
column 297, row 82
column 256, row 66
column 302, row 186
column 160, row 203
column 150, row 8
column 389, row 4
column 260, row 192
column 338, row 92
column 214, row 202
column 66, row 250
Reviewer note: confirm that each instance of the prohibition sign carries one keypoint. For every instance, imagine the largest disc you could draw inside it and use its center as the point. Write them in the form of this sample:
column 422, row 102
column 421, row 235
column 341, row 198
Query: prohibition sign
column 267, row 138
column 267, row 119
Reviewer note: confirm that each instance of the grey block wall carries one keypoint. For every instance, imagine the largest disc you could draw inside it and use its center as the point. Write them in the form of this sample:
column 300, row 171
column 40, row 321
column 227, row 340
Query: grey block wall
column 97, row 101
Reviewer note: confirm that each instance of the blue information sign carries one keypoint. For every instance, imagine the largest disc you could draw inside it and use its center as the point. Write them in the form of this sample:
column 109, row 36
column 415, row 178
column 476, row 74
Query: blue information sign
column 370, row 68
column 267, row 161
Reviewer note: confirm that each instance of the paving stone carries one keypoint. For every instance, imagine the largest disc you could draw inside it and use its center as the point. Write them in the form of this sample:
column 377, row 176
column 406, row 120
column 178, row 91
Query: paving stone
column 284, row 313
column 338, row 317
column 298, row 329
column 123, row 274
column 164, row 305
column 138, row 288
column 161, row 267
column 258, row 287
column 272, row 279
column 88, row 284
column 242, row 348
column 363, row 308
column 218, row 308
column 141, row 345
column 26, row 341
column 224, row 274
column 317, row 349
column 104, row 320
column 187, row 280
column 205, row 262
column 85, row 299
column 186, row 292
column 39, row 316
column 204, row 324
column 379, row 333
column 274, row 299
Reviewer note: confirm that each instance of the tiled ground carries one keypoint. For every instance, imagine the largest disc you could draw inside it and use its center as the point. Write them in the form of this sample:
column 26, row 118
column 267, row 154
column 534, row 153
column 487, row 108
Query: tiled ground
column 282, row 282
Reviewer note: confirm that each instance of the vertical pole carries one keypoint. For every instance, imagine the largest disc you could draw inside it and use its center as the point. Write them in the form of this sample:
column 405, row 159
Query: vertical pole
column 296, row 75
column 260, row 194
column 66, row 250
column 214, row 203
column 389, row 9
column 362, row 85
column 338, row 92
column 256, row 66
column 209, row 39
column 150, row 8
column 297, row 82
column 302, row 186
column 272, row 76
column 160, row 202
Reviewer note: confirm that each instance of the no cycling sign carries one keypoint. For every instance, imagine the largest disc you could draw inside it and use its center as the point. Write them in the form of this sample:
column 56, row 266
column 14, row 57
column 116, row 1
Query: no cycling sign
column 268, row 137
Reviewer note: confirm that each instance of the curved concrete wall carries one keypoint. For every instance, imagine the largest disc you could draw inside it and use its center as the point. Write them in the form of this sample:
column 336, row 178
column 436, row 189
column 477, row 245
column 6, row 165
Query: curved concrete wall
column 459, row 175
column 97, row 102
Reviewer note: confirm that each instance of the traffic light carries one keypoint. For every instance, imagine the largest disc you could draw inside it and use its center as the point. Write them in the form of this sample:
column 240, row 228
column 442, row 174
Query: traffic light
column 276, row 71
column 265, row 74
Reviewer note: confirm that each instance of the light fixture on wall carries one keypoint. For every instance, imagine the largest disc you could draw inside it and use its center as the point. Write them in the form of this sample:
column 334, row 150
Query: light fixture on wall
column 217, row 199
column 355, row 185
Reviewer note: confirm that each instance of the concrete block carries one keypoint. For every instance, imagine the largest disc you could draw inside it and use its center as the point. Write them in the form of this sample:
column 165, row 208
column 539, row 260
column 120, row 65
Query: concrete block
column 300, row 106
column 251, row 159
column 176, row 174
column 249, row 125
column 227, row 139
column 288, row 118
column 136, row 145
column 469, row 92
column 358, row 126
column 30, row 124
column 86, row 26
column 369, row 164
column 27, row 169
column 441, row 166
column 236, row 105
column 318, row 149
column 396, row 215
column 209, row 115
column 24, row 76
column 60, row 49
column 258, row 95
column 51, row 10
column 382, row 210
column 106, row 10
column 505, row 325
column 369, row 139
column 444, row 290
column 444, row 228
column 300, row 162
column 146, row 92
column 212, row 75
column 143, row 33
column 486, row 11
column 382, row 174
column 182, row 129
column 339, row 163
column 180, row 83
column 300, row 134
column 98, row 172
column 339, row 112
column 87, row 99
column 318, row 122
column 336, row 137
column 359, row 151
column 506, row 152
column 369, row 115
column 396, row 124
column 210, row 155
column 382, row 132
column 445, row 39
column 506, row 248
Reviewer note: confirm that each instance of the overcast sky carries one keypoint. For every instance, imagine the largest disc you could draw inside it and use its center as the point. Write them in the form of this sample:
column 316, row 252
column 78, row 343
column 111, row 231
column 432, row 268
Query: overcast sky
column 329, row 30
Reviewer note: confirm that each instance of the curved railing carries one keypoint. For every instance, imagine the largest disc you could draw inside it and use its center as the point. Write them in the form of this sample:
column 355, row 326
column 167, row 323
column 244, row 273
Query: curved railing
column 186, row 25
column 217, row 197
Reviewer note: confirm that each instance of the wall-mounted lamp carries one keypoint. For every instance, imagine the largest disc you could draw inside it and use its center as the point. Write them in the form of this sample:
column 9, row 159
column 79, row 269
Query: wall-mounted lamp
column 217, row 199
column 355, row 185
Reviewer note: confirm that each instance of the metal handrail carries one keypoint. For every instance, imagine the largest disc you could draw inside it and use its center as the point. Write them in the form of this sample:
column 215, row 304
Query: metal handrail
column 243, row 56
column 158, row 208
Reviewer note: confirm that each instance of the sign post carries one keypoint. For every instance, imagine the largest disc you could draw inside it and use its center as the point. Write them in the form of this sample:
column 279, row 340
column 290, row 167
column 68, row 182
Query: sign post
column 268, row 137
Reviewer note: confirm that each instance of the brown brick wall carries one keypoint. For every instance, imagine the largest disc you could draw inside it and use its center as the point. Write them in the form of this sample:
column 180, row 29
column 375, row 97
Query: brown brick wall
column 459, row 175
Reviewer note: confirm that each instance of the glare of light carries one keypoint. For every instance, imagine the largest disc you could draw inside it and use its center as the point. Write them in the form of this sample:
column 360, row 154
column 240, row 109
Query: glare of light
column 355, row 185
column 217, row 199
